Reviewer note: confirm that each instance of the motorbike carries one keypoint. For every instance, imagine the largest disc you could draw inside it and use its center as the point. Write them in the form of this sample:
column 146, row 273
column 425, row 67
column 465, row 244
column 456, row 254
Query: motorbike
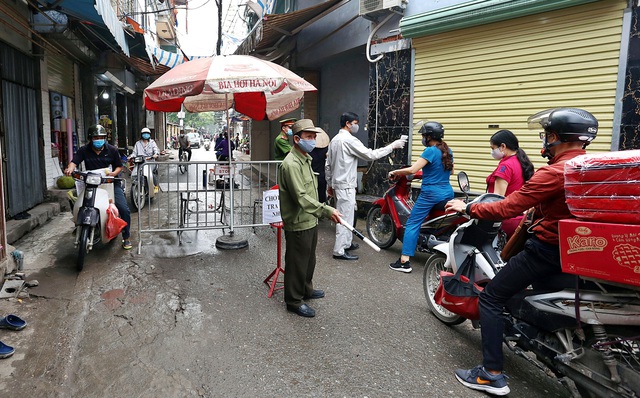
column 144, row 185
column 592, row 349
column 388, row 216
column 90, row 211
column 207, row 144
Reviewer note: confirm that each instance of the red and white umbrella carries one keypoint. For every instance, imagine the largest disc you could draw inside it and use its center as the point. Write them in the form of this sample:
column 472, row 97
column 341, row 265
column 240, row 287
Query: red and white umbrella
column 256, row 88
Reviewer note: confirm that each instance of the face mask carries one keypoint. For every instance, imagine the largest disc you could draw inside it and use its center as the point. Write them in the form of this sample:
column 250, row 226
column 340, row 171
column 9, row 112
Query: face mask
column 354, row 128
column 98, row 143
column 497, row 155
column 289, row 132
column 146, row 136
column 546, row 153
column 307, row 145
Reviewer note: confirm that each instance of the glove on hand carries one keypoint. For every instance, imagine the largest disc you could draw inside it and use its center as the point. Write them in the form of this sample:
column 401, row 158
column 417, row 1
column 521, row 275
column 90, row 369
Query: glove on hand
column 397, row 144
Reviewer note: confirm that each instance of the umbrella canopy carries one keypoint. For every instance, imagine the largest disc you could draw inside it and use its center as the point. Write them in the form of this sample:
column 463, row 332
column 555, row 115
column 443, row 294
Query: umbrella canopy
column 254, row 87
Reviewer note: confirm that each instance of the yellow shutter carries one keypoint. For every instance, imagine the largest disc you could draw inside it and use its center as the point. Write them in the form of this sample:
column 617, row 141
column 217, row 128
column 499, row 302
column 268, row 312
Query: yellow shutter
column 499, row 74
column 60, row 75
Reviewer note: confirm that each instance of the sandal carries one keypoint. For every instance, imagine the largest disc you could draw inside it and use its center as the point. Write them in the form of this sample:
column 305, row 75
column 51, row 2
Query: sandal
column 12, row 322
column 126, row 244
column 5, row 350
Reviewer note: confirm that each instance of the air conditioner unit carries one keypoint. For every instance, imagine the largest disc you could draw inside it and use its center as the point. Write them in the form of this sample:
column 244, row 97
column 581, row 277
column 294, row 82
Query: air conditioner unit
column 374, row 8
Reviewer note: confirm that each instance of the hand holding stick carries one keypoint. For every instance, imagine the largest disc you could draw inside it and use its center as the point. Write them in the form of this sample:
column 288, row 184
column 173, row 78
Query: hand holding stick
column 360, row 235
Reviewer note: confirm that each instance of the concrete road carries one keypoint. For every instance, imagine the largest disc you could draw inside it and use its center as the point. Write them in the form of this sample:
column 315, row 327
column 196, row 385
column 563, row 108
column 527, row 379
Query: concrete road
column 192, row 321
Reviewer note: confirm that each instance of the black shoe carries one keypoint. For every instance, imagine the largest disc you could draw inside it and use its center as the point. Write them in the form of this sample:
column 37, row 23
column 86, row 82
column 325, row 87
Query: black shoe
column 346, row 256
column 353, row 246
column 303, row 310
column 315, row 294
column 400, row 266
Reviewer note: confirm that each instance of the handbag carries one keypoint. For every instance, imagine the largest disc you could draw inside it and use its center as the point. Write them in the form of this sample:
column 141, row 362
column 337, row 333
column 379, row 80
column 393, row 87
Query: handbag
column 458, row 292
column 515, row 244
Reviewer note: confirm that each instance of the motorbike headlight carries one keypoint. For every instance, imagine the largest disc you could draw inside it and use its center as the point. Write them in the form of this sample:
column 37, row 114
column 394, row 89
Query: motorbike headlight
column 139, row 159
column 93, row 179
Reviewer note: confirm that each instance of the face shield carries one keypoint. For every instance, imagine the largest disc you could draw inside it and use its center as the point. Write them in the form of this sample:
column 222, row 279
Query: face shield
column 537, row 122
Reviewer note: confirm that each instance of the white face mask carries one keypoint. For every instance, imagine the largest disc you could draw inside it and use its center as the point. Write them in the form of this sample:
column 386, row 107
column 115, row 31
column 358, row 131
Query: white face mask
column 497, row 154
column 354, row 128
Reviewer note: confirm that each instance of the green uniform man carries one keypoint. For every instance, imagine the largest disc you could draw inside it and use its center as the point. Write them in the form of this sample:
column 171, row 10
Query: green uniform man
column 282, row 145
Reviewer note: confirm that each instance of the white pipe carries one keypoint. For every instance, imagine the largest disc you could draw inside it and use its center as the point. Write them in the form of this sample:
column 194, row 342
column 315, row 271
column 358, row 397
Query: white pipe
column 373, row 32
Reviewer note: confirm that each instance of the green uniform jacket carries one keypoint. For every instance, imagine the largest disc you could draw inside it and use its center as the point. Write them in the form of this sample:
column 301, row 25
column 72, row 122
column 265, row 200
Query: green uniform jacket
column 282, row 147
column 299, row 206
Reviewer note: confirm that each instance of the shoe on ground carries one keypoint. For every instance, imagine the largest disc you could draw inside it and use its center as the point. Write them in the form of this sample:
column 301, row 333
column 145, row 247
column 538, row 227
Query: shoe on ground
column 126, row 244
column 12, row 322
column 402, row 267
column 353, row 246
column 315, row 294
column 346, row 256
column 5, row 350
column 479, row 379
column 303, row 310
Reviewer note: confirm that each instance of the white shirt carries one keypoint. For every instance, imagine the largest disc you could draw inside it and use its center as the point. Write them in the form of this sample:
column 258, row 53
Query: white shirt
column 341, row 167
column 149, row 149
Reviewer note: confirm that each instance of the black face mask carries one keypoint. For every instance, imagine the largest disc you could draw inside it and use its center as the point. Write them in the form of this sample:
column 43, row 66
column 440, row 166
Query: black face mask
column 545, row 153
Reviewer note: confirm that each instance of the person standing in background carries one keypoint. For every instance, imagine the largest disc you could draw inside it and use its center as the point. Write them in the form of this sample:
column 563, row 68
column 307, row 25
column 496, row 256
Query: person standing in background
column 319, row 156
column 281, row 144
column 341, row 171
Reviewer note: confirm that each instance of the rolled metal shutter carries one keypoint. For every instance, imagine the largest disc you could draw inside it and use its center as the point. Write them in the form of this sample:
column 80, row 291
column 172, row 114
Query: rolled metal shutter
column 60, row 71
column 478, row 80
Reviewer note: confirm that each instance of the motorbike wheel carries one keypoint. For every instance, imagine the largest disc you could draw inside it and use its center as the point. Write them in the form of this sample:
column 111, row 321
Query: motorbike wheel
column 380, row 228
column 183, row 164
column 83, row 242
column 137, row 198
column 430, row 282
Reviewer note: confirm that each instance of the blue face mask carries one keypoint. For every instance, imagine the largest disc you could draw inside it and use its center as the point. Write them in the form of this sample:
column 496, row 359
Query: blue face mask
column 307, row 145
column 146, row 136
column 289, row 132
column 98, row 143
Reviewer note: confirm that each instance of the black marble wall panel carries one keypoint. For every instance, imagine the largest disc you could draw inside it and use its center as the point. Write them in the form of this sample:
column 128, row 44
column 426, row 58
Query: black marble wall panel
column 389, row 109
column 630, row 123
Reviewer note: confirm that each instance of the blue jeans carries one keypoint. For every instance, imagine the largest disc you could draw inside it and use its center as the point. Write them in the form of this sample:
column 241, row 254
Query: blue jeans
column 538, row 261
column 123, row 209
column 423, row 205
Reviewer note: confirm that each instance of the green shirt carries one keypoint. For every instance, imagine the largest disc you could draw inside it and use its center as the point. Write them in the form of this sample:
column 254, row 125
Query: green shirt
column 299, row 206
column 282, row 147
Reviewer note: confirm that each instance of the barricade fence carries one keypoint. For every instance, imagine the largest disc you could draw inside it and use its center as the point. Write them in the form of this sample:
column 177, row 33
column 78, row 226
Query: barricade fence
column 200, row 195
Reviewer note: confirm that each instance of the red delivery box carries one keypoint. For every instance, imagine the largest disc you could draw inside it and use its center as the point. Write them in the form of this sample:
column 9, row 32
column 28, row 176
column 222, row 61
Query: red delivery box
column 601, row 250
column 604, row 186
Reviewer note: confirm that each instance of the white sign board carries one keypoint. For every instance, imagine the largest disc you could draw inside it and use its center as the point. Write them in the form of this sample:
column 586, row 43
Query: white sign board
column 271, row 206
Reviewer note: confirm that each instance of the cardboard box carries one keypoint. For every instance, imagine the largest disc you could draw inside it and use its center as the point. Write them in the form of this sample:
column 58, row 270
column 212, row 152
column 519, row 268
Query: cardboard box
column 601, row 250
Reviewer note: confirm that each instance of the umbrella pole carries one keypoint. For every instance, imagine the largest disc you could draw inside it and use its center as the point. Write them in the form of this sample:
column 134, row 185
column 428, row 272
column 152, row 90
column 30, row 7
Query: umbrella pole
column 229, row 241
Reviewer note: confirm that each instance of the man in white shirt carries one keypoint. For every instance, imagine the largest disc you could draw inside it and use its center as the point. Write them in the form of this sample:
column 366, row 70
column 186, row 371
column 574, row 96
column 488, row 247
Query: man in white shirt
column 341, row 175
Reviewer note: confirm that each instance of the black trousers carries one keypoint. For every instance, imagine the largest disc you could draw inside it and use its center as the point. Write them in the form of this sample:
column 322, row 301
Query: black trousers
column 300, row 264
column 537, row 262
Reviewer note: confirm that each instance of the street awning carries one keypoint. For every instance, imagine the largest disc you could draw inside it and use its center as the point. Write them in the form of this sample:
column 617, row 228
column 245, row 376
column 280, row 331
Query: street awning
column 93, row 12
column 274, row 28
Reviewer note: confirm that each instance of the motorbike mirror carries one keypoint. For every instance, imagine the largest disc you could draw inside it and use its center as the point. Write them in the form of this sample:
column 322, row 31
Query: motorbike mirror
column 463, row 182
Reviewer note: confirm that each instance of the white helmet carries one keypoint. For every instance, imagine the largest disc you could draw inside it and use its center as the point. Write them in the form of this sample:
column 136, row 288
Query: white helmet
column 145, row 130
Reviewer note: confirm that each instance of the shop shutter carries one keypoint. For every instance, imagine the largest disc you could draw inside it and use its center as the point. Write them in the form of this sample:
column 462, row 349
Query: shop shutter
column 60, row 75
column 478, row 80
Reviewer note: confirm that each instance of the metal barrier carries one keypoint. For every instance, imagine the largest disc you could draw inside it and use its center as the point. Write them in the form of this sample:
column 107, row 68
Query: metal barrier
column 198, row 195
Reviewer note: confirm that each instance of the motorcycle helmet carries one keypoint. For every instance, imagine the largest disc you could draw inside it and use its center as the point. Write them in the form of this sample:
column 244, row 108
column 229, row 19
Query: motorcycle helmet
column 145, row 130
column 570, row 124
column 96, row 131
column 433, row 130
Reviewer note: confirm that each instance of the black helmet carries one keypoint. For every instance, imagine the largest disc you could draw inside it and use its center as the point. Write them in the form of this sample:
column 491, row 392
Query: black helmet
column 570, row 124
column 433, row 130
column 96, row 130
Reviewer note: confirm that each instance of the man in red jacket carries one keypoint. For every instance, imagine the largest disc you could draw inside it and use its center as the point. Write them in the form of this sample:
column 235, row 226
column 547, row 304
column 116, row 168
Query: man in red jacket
column 567, row 131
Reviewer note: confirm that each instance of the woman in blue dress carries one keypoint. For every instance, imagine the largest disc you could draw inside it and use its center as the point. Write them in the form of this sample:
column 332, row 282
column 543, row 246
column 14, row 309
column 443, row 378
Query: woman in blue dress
column 436, row 163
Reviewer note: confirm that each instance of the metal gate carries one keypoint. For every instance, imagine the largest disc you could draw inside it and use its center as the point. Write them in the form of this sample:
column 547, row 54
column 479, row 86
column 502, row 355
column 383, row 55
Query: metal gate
column 198, row 195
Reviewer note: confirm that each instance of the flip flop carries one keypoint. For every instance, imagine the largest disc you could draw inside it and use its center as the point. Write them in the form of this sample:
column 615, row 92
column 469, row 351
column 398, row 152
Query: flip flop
column 5, row 350
column 12, row 322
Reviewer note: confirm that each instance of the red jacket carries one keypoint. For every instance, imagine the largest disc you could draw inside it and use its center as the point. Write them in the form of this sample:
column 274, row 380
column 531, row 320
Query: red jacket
column 544, row 191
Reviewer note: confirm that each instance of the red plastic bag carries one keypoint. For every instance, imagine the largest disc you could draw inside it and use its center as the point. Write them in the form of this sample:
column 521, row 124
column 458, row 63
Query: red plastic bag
column 459, row 293
column 115, row 224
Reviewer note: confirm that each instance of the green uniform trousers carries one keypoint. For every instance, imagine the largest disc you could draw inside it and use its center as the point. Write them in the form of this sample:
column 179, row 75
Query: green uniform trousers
column 299, row 263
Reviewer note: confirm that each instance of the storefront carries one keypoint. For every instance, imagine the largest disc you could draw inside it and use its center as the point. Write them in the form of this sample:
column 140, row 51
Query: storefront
column 478, row 79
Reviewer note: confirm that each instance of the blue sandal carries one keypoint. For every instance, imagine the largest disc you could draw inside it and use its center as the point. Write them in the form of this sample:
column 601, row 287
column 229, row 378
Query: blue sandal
column 12, row 322
column 5, row 350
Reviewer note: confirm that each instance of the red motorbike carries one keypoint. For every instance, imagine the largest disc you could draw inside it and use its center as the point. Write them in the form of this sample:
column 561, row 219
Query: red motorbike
column 388, row 215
